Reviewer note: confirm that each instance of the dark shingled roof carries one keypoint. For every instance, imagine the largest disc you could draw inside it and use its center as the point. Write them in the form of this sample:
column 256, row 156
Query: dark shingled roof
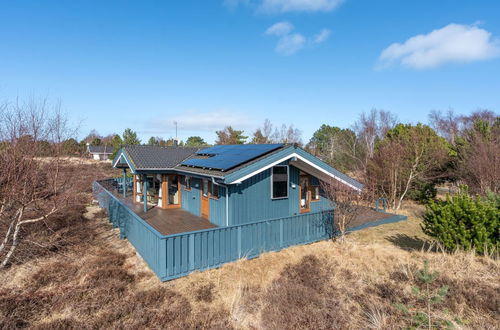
column 100, row 149
column 170, row 158
column 156, row 157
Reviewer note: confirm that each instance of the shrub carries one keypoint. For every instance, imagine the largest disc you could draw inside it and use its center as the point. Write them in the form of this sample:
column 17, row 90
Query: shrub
column 422, row 192
column 422, row 314
column 464, row 222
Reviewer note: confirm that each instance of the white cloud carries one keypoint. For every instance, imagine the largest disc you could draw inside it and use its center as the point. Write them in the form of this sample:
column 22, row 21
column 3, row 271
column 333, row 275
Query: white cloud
column 280, row 29
column 283, row 6
column 290, row 44
column 452, row 43
column 322, row 36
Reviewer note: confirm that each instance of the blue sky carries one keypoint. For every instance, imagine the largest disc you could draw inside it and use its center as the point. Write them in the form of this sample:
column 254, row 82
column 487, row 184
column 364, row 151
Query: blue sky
column 206, row 64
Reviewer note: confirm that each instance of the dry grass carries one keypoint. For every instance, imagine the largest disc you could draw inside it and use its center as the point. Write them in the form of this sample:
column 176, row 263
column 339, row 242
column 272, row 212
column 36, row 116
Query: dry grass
column 101, row 283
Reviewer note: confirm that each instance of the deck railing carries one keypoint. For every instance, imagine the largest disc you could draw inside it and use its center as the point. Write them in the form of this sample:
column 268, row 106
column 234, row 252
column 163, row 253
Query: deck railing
column 172, row 256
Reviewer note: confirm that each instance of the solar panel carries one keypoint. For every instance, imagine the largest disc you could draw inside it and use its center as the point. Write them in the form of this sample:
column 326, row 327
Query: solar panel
column 224, row 157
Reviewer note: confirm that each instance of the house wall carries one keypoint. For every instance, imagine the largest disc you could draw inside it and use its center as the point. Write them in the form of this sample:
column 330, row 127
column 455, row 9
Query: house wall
column 251, row 200
column 191, row 198
column 191, row 202
column 218, row 208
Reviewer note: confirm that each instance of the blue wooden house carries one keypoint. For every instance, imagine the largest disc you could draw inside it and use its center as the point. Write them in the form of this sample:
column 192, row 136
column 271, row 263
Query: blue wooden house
column 230, row 184
column 190, row 209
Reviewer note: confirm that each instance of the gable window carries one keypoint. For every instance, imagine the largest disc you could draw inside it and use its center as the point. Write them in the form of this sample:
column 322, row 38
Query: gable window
column 187, row 183
column 279, row 181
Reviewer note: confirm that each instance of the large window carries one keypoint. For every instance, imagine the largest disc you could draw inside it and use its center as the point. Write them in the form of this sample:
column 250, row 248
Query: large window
column 279, row 184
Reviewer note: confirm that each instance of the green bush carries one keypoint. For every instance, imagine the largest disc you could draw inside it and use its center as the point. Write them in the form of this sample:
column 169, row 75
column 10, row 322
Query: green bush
column 464, row 222
column 422, row 192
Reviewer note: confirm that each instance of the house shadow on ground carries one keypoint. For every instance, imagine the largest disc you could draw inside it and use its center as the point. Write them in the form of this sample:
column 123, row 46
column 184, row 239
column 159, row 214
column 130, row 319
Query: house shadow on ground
column 411, row 243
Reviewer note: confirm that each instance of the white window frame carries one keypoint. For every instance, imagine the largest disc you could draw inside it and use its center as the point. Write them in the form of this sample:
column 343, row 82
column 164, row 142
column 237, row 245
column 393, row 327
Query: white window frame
column 287, row 182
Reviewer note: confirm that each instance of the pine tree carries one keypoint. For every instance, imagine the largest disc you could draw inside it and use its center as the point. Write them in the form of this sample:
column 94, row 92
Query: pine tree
column 464, row 222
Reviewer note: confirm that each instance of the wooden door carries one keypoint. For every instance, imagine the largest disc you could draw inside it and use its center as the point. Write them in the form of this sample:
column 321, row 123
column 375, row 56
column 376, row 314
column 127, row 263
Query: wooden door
column 304, row 194
column 205, row 203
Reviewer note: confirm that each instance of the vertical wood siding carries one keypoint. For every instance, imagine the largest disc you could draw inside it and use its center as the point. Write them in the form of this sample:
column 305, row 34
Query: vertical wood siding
column 191, row 198
column 177, row 255
column 251, row 200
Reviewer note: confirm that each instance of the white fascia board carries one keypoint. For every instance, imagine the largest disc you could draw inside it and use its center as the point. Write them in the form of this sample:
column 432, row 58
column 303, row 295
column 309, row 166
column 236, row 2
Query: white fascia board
column 118, row 159
column 240, row 180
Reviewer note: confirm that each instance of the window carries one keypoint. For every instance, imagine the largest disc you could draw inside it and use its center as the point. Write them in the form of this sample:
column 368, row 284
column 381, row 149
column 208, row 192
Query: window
column 315, row 195
column 279, row 181
column 187, row 183
column 213, row 189
column 204, row 188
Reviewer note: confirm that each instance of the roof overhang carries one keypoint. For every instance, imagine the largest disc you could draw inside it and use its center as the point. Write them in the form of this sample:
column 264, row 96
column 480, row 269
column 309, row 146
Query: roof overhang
column 318, row 172
column 301, row 162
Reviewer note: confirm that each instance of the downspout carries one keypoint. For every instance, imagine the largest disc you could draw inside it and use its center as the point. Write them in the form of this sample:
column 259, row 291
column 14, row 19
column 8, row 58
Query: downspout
column 227, row 198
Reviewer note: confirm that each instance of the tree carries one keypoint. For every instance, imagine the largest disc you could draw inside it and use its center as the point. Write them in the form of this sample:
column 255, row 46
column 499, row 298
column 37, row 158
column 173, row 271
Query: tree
column 195, row 141
column 230, row 136
column 71, row 147
column 31, row 189
column 91, row 136
column 130, row 137
column 479, row 156
column 96, row 142
column 446, row 124
column 347, row 203
column 464, row 222
column 335, row 146
column 408, row 153
column 117, row 143
column 370, row 128
column 269, row 134
column 287, row 134
column 263, row 135
column 153, row 141
column 426, row 296
column 259, row 138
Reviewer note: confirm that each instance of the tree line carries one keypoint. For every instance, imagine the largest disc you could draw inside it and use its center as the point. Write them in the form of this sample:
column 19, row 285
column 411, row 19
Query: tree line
column 394, row 160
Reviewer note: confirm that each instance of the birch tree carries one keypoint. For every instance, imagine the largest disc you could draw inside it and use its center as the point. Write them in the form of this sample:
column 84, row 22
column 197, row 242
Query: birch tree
column 31, row 189
column 407, row 153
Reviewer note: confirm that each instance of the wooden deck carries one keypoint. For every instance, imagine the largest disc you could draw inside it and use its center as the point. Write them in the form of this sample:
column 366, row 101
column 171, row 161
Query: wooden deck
column 168, row 221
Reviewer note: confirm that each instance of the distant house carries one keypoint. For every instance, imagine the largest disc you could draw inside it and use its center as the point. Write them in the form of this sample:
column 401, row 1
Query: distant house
column 99, row 152
column 230, row 184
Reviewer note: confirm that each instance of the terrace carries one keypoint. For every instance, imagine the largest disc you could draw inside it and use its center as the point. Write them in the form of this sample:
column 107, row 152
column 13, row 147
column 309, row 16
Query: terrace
column 165, row 221
column 174, row 242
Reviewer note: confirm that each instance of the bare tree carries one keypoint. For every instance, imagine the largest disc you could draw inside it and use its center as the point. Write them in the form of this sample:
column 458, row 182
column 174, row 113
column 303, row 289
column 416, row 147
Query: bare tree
column 287, row 134
column 370, row 128
column 270, row 134
column 408, row 153
column 479, row 157
column 445, row 124
column 348, row 205
column 31, row 189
